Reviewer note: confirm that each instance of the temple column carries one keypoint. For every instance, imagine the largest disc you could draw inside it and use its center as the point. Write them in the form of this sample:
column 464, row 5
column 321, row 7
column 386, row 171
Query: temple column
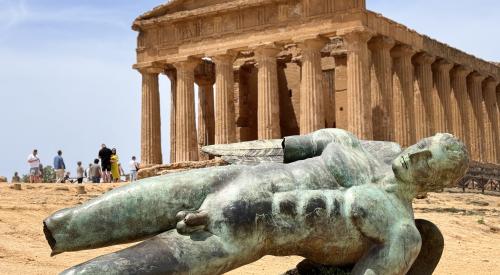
column 490, row 123
column 185, row 132
column 404, row 113
column 423, row 95
column 150, row 118
column 205, row 79
column 312, row 108
column 225, row 125
column 268, row 106
column 381, row 88
column 442, row 96
column 358, row 84
column 498, row 123
column 172, row 75
column 474, row 90
column 460, row 103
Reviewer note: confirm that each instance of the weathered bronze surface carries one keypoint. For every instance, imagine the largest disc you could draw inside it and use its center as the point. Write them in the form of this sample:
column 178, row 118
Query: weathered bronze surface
column 336, row 202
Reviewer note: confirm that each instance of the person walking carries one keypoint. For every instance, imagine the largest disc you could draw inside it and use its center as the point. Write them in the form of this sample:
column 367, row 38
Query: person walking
column 59, row 167
column 134, row 167
column 95, row 172
column 105, row 156
column 87, row 173
column 80, row 171
column 34, row 163
column 115, row 169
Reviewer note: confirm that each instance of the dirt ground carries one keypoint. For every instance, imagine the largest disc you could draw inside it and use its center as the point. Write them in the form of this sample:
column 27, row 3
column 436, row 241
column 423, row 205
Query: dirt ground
column 469, row 222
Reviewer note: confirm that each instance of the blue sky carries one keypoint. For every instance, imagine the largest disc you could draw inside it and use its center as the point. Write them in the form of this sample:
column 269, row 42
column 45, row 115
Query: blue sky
column 66, row 80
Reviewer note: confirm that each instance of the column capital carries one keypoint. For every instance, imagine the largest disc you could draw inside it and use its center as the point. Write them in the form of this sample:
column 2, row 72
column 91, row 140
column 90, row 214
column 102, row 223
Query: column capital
column 187, row 65
column 316, row 43
column 476, row 76
column 382, row 43
column 204, row 74
column 270, row 50
column 491, row 82
column 224, row 58
column 423, row 58
column 402, row 51
column 461, row 70
column 443, row 65
column 355, row 38
column 151, row 70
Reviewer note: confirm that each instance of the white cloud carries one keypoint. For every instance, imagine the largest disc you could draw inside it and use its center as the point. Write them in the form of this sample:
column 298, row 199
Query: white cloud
column 12, row 12
column 16, row 12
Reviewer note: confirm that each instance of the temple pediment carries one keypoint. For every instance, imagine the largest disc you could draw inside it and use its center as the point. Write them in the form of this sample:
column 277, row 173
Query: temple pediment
column 189, row 10
column 175, row 6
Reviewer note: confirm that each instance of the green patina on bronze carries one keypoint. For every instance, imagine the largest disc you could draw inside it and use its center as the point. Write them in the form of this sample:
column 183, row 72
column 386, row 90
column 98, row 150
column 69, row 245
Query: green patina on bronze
column 335, row 200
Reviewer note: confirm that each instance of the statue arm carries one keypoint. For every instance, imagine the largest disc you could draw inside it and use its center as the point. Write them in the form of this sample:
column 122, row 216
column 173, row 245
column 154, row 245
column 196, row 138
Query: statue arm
column 312, row 145
column 394, row 255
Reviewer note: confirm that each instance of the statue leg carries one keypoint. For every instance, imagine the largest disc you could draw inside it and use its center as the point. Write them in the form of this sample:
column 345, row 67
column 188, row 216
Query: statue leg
column 169, row 253
column 133, row 212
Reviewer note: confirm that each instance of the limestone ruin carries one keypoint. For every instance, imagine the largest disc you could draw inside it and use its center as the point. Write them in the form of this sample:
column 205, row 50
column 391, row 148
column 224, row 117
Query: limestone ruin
column 288, row 67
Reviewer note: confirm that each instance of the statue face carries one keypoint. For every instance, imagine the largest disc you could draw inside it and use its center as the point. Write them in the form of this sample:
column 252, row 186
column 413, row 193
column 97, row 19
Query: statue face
column 421, row 164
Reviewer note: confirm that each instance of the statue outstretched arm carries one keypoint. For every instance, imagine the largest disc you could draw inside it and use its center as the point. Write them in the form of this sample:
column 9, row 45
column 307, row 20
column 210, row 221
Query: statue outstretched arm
column 287, row 150
column 312, row 145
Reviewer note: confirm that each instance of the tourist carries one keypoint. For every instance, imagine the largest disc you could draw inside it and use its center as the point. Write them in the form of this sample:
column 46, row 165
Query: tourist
column 115, row 170
column 80, row 171
column 34, row 162
column 120, row 168
column 134, row 167
column 40, row 172
column 95, row 172
column 67, row 178
column 16, row 178
column 105, row 156
column 59, row 167
column 87, row 173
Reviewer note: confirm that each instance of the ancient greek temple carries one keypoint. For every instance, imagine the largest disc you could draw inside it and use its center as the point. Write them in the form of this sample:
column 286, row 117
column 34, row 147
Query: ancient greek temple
column 272, row 68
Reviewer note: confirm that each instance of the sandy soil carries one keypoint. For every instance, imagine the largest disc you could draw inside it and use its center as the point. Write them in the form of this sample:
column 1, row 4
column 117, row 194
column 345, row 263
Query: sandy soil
column 470, row 223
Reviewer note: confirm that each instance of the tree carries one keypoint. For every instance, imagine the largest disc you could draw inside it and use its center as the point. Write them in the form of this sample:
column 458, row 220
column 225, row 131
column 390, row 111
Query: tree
column 49, row 174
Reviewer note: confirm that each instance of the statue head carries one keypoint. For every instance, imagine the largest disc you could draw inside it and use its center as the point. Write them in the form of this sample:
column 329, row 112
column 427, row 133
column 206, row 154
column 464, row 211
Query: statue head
column 433, row 163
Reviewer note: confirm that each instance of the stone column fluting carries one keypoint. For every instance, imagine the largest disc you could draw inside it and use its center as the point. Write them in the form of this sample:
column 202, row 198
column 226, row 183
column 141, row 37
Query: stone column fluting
column 205, row 79
column 312, row 108
column 490, row 117
column 381, row 88
column 442, row 96
column 150, row 118
column 359, row 113
column 460, row 103
column 404, row 113
column 187, row 149
column 172, row 76
column 498, row 123
column 474, row 90
column 423, row 95
column 268, row 106
column 225, row 125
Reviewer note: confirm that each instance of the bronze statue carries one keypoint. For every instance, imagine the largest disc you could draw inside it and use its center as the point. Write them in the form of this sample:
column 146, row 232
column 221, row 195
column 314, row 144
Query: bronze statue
column 337, row 201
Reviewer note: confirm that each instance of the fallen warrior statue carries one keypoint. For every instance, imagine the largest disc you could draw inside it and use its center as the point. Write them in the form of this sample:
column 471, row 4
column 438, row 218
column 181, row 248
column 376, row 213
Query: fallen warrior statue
column 335, row 200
